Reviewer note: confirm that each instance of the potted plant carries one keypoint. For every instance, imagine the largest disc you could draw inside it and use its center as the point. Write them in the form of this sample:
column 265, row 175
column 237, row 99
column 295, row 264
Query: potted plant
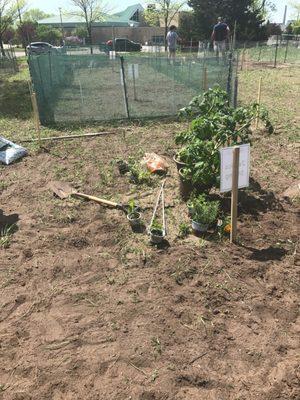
column 133, row 216
column 204, row 214
column 179, row 159
column 156, row 233
column 185, row 183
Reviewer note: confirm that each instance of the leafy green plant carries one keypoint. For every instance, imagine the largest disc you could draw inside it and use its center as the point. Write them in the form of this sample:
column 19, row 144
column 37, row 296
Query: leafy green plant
column 156, row 226
column 5, row 235
column 216, row 124
column 184, row 230
column 138, row 174
column 131, row 206
column 204, row 211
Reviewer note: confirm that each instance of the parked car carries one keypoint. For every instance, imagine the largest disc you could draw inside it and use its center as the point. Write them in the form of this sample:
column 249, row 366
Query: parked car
column 122, row 44
column 42, row 47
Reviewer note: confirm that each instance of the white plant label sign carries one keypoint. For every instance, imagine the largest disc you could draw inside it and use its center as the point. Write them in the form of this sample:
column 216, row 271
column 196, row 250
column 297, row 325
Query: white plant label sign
column 112, row 55
column 226, row 167
column 133, row 68
column 121, row 77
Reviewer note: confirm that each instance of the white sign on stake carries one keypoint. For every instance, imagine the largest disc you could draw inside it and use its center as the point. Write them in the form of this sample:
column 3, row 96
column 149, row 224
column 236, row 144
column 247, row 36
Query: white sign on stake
column 133, row 68
column 226, row 167
column 112, row 55
column 121, row 77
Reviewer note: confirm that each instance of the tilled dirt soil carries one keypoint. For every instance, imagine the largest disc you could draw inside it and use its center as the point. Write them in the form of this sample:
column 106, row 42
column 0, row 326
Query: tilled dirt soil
column 89, row 310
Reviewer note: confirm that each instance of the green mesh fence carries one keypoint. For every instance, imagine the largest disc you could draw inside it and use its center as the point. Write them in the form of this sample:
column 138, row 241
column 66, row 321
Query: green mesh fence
column 78, row 88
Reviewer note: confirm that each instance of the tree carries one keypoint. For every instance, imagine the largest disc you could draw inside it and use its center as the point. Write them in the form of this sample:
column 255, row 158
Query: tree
column 8, row 14
column 165, row 10
column 249, row 15
column 9, row 35
column 27, row 32
column 35, row 14
column 90, row 11
column 48, row 34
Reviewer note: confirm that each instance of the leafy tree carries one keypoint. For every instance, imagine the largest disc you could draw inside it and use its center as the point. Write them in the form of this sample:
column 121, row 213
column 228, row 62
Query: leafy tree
column 35, row 14
column 8, row 14
column 48, row 34
column 187, row 26
column 165, row 10
column 9, row 35
column 81, row 32
column 249, row 15
column 90, row 11
column 26, row 32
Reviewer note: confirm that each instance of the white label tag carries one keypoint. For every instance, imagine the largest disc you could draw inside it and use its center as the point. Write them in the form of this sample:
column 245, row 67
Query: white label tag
column 226, row 167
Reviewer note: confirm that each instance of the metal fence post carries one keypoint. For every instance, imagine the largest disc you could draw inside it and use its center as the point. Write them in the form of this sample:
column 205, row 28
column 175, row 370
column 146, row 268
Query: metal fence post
column 286, row 50
column 124, row 87
column 276, row 52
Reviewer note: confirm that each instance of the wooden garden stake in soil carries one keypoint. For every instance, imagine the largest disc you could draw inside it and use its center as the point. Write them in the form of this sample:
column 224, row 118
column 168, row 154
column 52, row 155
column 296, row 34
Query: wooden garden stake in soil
column 234, row 193
column 258, row 101
column 133, row 77
column 205, row 79
column 36, row 117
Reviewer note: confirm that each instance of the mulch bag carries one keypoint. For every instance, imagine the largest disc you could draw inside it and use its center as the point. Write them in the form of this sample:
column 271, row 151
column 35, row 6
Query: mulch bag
column 10, row 152
column 155, row 163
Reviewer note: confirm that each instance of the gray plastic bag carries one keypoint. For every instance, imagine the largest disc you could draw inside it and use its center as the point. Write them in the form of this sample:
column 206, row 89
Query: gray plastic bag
column 10, row 152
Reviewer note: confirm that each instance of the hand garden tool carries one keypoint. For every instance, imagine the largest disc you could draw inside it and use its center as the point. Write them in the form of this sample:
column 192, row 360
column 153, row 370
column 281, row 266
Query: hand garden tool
column 64, row 190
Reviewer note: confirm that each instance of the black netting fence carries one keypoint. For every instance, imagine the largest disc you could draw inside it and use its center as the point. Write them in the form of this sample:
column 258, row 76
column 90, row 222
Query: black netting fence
column 8, row 62
column 85, row 87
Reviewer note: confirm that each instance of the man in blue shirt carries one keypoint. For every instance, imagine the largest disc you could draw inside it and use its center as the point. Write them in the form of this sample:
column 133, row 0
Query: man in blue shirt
column 172, row 38
column 219, row 36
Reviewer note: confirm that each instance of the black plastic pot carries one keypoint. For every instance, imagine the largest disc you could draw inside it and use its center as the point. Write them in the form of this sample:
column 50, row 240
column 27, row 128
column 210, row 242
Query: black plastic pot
column 185, row 186
column 134, row 219
column 179, row 164
column 156, row 236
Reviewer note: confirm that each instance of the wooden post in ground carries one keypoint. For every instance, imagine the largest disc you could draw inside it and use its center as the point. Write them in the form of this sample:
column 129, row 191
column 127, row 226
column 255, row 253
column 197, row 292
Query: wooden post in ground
column 234, row 193
column 205, row 81
column 258, row 101
column 36, row 117
column 133, row 77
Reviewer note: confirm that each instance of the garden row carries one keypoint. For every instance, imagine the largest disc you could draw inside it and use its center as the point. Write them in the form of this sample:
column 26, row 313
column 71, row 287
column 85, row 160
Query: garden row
column 215, row 124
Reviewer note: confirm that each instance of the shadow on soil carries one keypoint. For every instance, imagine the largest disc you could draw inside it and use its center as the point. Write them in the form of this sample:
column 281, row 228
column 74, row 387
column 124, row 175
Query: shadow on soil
column 269, row 254
column 15, row 100
column 253, row 201
column 8, row 220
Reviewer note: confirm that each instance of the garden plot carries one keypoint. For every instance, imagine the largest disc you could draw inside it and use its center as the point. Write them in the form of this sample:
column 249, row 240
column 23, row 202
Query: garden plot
column 89, row 310
column 97, row 94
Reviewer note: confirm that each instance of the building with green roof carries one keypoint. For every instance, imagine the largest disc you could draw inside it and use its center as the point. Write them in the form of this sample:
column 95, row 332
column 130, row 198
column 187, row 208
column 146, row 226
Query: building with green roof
column 125, row 24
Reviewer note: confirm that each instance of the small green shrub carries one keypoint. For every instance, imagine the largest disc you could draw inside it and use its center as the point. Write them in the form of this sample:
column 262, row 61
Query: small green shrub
column 204, row 211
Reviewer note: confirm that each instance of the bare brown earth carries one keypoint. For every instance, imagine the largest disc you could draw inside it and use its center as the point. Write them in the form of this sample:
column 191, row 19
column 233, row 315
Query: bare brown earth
column 89, row 310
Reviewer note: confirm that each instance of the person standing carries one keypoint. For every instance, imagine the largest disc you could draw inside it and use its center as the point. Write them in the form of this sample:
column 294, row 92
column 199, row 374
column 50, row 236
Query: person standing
column 219, row 36
column 172, row 38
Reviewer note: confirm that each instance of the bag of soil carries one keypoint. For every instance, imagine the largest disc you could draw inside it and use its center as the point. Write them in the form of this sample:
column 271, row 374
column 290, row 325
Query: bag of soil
column 10, row 152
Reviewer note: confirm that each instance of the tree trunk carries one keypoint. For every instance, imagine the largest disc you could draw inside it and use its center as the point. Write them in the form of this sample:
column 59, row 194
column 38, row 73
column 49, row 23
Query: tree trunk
column 2, row 47
column 166, row 32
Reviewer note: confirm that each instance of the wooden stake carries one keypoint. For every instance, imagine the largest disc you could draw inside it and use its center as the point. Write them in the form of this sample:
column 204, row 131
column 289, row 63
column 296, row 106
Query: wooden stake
column 67, row 137
column 36, row 116
column 133, row 77
column 258, row 101
column 205, row 79
column 234, row 193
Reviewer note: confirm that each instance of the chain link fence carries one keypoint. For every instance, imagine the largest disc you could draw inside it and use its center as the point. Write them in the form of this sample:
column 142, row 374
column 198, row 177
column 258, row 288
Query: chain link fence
column 8, row 62
column 80, row 88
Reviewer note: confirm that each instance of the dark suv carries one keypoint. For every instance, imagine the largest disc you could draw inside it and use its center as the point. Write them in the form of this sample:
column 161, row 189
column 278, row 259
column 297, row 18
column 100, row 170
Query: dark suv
column 123, row 45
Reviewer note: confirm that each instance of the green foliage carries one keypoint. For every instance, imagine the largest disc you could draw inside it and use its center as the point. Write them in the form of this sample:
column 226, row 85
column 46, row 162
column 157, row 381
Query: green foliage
column 216, row 124
column 6, row 234
column 204, row 211
column 249, row 15
column 81, row 32
column 48, row 34
column 138, row 174
column 184, row 230
column 131, row 206
column 157, row 226
column 35, row 14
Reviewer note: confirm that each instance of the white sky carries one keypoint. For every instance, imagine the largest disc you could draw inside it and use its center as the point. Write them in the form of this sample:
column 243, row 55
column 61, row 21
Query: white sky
column 119, row 5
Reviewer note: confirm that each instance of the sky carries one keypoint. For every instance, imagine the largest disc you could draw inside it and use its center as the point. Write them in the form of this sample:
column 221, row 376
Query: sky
column 52, row 6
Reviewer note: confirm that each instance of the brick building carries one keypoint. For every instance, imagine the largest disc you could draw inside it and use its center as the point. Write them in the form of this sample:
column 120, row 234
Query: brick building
column 126, row 24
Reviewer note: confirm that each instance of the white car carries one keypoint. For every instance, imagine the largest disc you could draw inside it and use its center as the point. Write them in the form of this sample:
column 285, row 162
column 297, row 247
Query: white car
column 42, row 47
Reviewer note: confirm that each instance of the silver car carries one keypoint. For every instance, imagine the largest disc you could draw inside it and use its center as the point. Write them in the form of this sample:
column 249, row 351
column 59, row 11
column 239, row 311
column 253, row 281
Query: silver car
column 42, row 47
